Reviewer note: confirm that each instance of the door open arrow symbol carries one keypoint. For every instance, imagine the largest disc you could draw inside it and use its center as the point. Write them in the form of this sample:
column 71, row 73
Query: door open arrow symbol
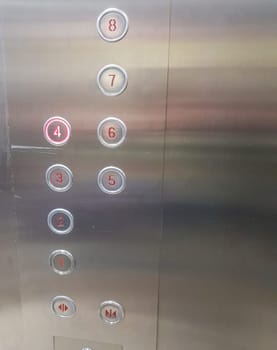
column 63, row 307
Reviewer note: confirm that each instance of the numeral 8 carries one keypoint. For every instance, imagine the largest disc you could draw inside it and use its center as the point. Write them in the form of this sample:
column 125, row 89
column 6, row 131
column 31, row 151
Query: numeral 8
column 112, row 25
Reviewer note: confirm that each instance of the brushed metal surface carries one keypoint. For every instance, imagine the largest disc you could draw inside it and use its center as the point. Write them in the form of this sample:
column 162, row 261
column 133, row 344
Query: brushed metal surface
column 218, row 286
column 61, row 343
column 53, row 55
column 11, row 334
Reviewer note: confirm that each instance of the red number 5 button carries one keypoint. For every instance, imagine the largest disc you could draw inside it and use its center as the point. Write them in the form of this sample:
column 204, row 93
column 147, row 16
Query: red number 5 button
column 56, row 131
column 111, row 180
column 111, row 132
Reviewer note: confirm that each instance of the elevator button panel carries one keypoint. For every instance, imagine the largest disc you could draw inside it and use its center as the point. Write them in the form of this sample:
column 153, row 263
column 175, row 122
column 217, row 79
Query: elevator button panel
column 63, row 306
column 59, row 178
column 56, row 131
column 112, row 80
column 111, row 312
column 60, row 221
column 62, row 262
column 111, row 132
column 90, row 127
column 111, row 180
column 112, row 24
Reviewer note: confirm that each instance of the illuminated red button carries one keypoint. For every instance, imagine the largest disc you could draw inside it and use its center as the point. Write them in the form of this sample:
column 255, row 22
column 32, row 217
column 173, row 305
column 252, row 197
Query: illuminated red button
column 59, row 178
column 111, row 312
column 56, row 131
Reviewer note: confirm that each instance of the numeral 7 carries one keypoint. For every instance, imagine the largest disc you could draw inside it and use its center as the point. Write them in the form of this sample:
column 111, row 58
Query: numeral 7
column 113, row 78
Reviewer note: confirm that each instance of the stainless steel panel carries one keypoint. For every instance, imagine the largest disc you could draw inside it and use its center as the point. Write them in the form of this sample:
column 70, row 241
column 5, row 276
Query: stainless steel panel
column 53, row 55
column 10, row 303
column 77, row 344
column 218, row 287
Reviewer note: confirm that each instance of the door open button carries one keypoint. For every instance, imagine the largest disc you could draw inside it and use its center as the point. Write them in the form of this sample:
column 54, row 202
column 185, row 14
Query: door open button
column 63, row 306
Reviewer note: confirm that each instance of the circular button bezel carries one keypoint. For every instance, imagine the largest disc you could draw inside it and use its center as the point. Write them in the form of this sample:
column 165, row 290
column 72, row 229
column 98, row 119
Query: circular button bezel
column 118, row 306
column 46, row 132
column 62, row 211
column 100, row 73
column 68, row 255
column 116, row 170
column 66, row 299
column 48, row 178
column 123, row 128
column 104, row 13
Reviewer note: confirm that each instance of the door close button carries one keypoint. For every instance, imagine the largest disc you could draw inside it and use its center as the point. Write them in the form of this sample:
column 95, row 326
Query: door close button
column 111, row 312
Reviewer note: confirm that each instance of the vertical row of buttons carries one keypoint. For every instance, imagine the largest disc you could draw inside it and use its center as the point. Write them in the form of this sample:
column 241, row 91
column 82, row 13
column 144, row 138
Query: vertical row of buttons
column 59, row 178
column 112, row 80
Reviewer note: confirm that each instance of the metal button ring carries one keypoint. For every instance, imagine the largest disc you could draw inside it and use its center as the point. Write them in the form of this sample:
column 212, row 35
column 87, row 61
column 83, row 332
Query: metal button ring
column 62, row 262
column 56, row 131
column 111, row 132
column 59, row 178
column 60, row 221
column 112, row 80
column 111, row 180
column 112, row 24
column 63, row 306
column 111, row 312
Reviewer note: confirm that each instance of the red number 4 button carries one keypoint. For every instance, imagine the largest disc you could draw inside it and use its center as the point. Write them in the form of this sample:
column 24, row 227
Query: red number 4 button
column 56, row 131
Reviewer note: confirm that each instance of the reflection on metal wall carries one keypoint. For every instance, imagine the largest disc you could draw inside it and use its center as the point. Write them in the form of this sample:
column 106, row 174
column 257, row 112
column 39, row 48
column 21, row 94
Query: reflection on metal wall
column 218, row 287
column 141, row 212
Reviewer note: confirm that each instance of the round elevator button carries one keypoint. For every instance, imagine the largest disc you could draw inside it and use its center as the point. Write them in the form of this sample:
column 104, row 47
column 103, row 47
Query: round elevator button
column 112, row 80
column 62, row 262
column 111, row 132
column 63, row 306
column 111, row 312
column 59, row 178
column 111, row 180
column 60, row 221
column 56, row 131
column 112, row 24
